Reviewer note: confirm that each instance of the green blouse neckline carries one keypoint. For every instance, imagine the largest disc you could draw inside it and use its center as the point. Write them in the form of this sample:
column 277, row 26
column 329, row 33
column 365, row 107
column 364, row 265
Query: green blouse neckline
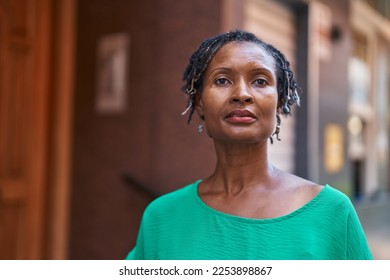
column 290, row 215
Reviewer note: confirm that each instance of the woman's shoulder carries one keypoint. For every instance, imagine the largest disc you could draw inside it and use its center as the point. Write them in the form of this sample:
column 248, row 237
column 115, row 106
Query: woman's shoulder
column 306, row 191
column 339, row 199
column 301, row 190
column 326, row 195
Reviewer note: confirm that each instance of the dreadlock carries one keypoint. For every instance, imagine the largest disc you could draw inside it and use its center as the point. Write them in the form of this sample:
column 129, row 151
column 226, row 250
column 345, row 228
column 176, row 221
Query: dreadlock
column 288, row 90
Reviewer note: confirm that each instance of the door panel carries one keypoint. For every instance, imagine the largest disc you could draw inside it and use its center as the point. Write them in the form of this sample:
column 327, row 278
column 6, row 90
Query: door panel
column 23, row 95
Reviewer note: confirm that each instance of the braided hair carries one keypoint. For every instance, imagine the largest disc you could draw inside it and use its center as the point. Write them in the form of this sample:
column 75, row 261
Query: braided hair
column 287, row 87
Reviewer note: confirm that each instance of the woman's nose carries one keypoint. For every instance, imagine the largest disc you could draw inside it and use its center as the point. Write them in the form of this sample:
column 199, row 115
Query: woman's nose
column 241, row 95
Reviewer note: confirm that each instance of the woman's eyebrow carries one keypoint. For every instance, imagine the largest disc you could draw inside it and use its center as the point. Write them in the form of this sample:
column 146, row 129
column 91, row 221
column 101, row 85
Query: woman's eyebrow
column 230, row 69
column 262, row 69
column 221, row 69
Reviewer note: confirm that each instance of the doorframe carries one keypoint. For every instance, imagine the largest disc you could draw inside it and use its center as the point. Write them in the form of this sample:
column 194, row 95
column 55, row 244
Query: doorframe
column 60, row 129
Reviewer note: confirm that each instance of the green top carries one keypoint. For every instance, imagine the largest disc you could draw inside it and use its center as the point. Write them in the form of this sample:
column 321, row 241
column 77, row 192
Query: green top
column 179, row 225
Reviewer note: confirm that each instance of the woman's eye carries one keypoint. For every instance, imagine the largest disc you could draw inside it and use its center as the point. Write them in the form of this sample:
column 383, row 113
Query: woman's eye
column 222, row 82
column 260, row 82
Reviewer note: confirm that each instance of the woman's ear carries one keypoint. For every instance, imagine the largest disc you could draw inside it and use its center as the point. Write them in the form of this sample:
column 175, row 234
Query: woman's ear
column 199, row 105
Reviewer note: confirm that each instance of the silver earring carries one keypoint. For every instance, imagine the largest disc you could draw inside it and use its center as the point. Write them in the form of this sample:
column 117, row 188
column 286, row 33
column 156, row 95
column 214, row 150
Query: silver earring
column 286, row 109
column 200, row 128
column 277, row 130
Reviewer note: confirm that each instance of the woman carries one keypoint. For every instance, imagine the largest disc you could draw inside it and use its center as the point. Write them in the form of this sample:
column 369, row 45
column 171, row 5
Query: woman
column 247, row 208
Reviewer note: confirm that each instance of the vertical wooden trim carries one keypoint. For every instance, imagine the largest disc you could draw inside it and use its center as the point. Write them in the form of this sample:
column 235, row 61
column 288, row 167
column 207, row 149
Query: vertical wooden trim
column 61, row 130
column 38, row 137
column 3, row 87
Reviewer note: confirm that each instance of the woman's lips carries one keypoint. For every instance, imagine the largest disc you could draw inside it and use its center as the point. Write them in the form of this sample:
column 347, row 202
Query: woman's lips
column 240, row 116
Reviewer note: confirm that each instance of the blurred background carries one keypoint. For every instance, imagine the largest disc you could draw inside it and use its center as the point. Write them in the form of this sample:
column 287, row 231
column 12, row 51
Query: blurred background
column 90, row 112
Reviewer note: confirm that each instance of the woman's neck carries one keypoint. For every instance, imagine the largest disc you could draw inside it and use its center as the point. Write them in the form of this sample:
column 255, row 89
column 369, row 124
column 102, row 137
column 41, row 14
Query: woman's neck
column 241, row 166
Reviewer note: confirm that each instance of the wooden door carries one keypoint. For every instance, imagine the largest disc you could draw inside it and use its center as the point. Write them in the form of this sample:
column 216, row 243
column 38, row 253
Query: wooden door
column 24, row 64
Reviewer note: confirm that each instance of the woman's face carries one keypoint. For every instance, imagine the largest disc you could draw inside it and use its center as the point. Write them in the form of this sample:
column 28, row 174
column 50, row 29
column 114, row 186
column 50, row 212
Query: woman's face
column 239, row 95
